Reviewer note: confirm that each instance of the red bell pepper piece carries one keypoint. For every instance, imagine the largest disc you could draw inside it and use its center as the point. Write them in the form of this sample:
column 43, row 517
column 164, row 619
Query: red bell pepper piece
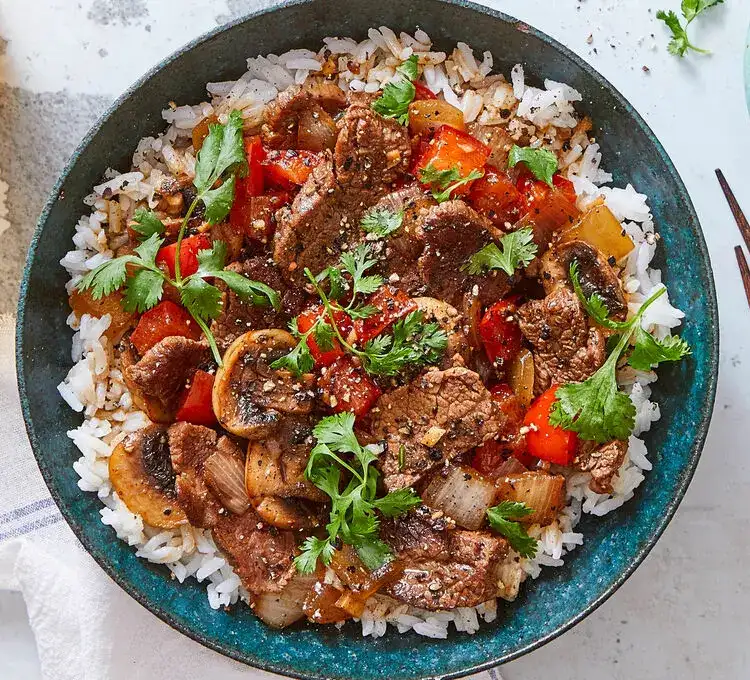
column 188, row 254
column 393, row 304
column 495, row 195
column 258, row 219
column 289, row 168
column 543, row 440
column 536, row 193
column 346, row 387
column 499, row 333
column 247, row 187
column 162, row 321
column 196, row 404
column 452, row 148
column 305, row 322
column 423, row 92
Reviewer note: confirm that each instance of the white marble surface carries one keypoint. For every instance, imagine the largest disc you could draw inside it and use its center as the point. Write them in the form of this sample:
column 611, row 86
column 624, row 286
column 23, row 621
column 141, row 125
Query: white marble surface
column 684, row 614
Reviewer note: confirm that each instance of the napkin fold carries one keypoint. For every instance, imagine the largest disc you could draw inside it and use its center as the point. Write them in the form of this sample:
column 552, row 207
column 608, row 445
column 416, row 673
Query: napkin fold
column 86, row 627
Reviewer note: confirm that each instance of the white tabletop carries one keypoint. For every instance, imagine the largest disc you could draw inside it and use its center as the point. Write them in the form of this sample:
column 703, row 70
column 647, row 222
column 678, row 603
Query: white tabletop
column 684, row 614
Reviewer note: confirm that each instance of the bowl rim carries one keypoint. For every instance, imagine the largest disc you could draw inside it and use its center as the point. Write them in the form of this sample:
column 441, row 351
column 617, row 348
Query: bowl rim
column 701, row 430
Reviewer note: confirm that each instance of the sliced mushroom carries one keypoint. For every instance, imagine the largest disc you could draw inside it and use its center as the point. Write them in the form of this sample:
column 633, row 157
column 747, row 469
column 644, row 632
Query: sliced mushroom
column 595, row 274
column 249, row 396
column 141, row 473
column 288, row 513
column 452, row 322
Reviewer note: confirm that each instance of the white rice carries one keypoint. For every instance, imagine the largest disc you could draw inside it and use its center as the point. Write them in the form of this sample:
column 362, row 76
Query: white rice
column 94, row 385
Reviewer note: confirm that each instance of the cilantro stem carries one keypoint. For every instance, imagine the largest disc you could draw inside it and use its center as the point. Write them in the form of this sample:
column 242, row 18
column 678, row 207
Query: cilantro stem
column 180, row 235
column 210, row 337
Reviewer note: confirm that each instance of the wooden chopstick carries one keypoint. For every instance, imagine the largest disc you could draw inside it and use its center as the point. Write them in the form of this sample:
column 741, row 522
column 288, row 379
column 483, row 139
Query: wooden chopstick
column 739, row 216
column 744, row 271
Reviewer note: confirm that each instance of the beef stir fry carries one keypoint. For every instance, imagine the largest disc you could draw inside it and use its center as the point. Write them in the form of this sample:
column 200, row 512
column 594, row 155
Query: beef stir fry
column 372, row 341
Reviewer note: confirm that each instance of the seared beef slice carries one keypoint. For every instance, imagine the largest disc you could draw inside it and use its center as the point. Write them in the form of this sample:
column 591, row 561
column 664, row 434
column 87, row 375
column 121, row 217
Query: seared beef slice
column 370, row 153
column 436, row 417
column 444, row 567
column 565, row 349
column 453, row 232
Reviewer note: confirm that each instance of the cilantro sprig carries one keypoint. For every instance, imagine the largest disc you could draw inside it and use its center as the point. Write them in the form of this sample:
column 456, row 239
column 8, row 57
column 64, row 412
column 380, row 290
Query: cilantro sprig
column 595, row 408
column 541, row 163
column 680, row 43
column 219, row 161
column 399, row 93
column 444, row 182
column 355, row 510
column 381, row 222
column 502, row 519
column 412, row 342
column 516, row 249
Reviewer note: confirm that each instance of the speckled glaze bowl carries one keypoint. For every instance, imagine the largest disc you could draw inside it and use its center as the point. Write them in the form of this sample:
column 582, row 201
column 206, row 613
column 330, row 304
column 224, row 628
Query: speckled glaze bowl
column 615, row 544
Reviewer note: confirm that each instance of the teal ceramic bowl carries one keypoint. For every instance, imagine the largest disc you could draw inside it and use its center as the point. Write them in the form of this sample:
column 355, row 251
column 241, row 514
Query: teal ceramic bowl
column 615, row 544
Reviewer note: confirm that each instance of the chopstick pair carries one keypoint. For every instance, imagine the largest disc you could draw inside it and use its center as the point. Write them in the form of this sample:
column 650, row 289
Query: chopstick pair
column 744, row 228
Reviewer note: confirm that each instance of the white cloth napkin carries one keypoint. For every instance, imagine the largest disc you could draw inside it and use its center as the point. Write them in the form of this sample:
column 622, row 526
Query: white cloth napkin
column 86, row 627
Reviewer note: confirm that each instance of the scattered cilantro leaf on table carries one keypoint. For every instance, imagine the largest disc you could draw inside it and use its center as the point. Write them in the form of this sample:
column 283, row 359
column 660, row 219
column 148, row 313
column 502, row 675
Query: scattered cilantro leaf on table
column 516, row 249
column 680, row 43
column 353, row 518
column 502, row 519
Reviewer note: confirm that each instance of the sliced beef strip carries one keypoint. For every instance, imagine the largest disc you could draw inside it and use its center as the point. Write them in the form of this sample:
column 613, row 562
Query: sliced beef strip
column 453, row 232
column 564, row 347
column 319, row 222
column 436, row 417
column 239, row 316
column 261, row 555
column 371, row 151
column 602, row 462
column 444, row 567
column 167, row 366
column 282, row 116
column 398, row 253
column 190, row 446
column 595, row 274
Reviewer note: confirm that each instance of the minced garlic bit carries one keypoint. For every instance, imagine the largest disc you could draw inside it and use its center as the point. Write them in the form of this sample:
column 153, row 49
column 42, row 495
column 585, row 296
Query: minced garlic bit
column 433, row 435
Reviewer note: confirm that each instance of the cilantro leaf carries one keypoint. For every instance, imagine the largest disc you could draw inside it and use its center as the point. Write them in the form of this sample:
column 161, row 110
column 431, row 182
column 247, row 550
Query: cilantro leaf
column 149, row 249
column 312, row 550
column 147, row 223
column 247, row 289
column 397, row 502
column 649, row 351
column 143, row 291
column 353, row 518
column 409, row 68
column 680, row 42
column 399, row 93
column 201, row 299
column 501, row 519
column 298, row 361
column 542, row 163
column 444, row 182
column 517, row 249
column 356, row 263
column 107, row 277
column 363, row 312
column 219, row 201
column 373, row 552
column 413, row 343
column 595, row 408
column 222, row 151
column 212, row 260
column 324, row 334
column 381, row 222
column 336, row 284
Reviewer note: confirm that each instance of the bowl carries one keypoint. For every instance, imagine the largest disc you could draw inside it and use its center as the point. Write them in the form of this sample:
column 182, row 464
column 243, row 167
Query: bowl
column 615, row 544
